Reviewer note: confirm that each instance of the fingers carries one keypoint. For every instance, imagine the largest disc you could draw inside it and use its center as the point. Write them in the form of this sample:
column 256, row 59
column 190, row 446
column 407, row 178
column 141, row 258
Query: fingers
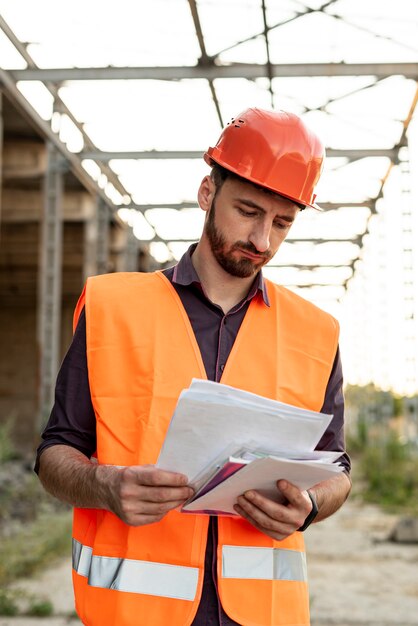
column 266, row 525
column 294, row 495
column 146, row 494
column 138, row 513
column 150, row 484
column 151, row 475
column 271, row 517
column 154, row 494
column 267, row 516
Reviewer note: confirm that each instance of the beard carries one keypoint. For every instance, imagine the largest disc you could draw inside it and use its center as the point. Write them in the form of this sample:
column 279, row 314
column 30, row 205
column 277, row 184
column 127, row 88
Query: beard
column 240, row 267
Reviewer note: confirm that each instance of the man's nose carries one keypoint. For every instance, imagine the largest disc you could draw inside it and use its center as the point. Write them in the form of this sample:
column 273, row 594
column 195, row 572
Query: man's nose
column 260, row 236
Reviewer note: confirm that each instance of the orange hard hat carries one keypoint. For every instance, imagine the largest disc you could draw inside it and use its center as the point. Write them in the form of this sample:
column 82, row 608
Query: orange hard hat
column 273, row 149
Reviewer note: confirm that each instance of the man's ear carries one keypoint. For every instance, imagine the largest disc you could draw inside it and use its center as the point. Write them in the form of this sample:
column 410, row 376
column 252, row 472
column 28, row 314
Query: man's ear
column 206, row 193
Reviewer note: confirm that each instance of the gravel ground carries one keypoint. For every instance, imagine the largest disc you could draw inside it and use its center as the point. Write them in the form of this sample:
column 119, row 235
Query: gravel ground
column 356, row 578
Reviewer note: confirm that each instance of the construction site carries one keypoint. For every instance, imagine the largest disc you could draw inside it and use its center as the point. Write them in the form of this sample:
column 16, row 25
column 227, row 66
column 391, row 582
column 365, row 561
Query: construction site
column 106, row 112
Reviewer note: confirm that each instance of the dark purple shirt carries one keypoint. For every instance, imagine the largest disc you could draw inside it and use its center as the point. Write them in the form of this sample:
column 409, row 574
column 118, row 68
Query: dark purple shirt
column 72, row 421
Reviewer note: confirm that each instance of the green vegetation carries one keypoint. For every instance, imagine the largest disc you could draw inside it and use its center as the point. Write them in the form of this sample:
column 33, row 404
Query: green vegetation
column 386, row 461
column 35, row 529
column 31, row 547
column 7, row 448
column 40, row 608
column 17, row 602
column 390, row 469
column 8, row 603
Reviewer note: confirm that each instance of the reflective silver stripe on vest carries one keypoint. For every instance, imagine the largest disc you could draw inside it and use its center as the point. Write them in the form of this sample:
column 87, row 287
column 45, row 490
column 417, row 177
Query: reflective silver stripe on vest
column 263, row 563
column 155, row 579
column 81, row 558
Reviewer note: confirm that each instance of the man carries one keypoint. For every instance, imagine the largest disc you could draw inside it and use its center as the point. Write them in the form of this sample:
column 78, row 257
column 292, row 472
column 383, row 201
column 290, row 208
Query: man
column 136, row 558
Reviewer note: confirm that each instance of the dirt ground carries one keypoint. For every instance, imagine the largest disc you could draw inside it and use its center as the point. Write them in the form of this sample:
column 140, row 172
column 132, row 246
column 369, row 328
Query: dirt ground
column 356, row 578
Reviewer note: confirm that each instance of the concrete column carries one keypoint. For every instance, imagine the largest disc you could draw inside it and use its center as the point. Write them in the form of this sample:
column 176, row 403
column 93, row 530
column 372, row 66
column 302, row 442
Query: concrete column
column 1, row 153
column 103, row 240
column 50, row 281
column 131, row 251
column 91, row 235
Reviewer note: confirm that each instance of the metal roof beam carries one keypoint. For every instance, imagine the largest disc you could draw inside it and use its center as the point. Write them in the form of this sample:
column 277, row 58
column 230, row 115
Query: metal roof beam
column 204, row 59
column 355, row 240
column 298, row 14
column 333, row 206
column 310, row 285
column 268, row 65
column 212, row 71
column 178, row 206
column 350, row 154
column 54, row 90
column 301, row 266
column 73, row 160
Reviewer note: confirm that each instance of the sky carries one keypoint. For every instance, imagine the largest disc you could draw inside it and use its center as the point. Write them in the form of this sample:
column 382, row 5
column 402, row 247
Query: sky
column 378, row 337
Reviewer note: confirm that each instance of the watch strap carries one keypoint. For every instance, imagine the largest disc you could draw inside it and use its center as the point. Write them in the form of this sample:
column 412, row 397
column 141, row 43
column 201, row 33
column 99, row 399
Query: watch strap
column 312, row 514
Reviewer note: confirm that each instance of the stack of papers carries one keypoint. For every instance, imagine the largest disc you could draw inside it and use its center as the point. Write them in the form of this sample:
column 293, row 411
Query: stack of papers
column 228, row 441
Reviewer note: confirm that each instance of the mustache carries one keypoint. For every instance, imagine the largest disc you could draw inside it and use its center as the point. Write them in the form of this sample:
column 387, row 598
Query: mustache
column 249, row 247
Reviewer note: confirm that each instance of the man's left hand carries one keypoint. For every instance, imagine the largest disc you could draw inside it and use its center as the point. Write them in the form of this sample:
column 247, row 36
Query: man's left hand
column 276, row 520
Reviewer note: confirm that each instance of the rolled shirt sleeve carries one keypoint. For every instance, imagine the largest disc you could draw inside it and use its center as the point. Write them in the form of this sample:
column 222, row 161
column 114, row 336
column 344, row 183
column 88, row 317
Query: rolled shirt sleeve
column 72, row 421
column 334, row 438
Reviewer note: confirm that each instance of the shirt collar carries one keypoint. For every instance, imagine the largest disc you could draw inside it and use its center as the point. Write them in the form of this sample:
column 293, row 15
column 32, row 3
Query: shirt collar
column 185, row 274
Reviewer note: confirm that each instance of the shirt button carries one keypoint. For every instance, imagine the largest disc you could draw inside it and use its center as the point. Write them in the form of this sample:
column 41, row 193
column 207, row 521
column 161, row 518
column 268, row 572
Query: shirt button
column 222, row 368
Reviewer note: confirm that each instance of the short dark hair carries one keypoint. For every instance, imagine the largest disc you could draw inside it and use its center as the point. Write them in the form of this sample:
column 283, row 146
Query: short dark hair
column 220, row 174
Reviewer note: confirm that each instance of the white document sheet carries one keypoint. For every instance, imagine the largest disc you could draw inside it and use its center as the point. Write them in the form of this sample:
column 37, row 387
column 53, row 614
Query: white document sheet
column 262, row 475
column 210, row 417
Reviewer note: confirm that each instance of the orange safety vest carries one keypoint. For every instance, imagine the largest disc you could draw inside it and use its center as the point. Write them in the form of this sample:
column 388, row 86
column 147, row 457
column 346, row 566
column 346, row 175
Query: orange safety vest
column 141, row 353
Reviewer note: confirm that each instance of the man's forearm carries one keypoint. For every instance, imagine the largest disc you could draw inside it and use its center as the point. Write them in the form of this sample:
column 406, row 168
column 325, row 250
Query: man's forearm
column 70, row 476
column 331, row 495
column 138, row 495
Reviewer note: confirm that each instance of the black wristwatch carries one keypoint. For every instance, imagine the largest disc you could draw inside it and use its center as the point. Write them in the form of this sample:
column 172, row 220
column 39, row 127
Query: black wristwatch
column 311, row 515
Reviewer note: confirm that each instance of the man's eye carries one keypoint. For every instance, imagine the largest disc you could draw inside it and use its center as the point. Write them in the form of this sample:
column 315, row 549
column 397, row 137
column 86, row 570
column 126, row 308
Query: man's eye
column 247, row 213
column 281, row 225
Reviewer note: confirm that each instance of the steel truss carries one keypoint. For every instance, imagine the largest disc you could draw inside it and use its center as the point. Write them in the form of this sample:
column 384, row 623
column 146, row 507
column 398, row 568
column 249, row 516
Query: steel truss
column 211, row 71
column 211, row 68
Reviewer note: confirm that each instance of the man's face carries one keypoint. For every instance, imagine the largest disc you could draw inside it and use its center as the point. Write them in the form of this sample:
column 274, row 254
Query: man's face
column 246, row 225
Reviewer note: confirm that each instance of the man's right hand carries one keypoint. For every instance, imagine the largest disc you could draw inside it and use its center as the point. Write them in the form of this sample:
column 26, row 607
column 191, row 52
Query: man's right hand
column 143, row 494
column 139, row 494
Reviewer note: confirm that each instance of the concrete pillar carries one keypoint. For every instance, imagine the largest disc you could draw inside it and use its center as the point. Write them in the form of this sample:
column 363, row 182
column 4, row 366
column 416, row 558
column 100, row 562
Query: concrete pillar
column 91, row 236
column 1, row 152
column 132, row 248
column 103, row 240
column 50, row 282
